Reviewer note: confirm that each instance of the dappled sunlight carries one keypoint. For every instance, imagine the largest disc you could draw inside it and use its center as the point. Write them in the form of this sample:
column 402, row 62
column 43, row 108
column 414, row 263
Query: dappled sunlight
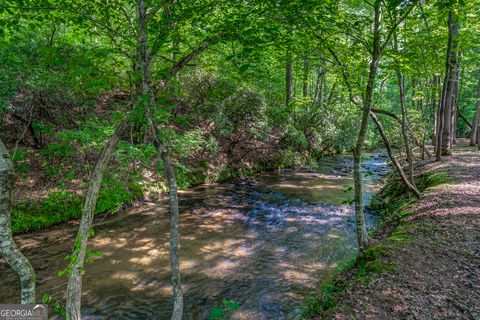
column 126, row 276
column 266, row 247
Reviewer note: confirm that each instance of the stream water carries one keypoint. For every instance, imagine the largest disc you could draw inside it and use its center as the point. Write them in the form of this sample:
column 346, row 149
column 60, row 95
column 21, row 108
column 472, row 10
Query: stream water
column 266, row 242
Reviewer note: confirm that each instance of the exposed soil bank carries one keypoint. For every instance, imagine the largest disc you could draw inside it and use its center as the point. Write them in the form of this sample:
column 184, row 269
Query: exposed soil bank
column 428, row 266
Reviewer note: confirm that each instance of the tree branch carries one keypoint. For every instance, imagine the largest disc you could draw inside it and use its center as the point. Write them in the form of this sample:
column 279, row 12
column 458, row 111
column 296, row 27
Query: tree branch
column 192, row 55
column 395, row 26
column 345, row 78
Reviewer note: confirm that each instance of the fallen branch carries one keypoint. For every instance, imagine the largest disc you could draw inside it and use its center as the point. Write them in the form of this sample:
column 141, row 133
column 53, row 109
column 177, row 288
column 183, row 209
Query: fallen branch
column 397, row 165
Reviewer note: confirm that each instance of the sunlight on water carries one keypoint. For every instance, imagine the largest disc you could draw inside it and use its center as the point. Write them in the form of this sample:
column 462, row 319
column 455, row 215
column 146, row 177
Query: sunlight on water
column 266, row 243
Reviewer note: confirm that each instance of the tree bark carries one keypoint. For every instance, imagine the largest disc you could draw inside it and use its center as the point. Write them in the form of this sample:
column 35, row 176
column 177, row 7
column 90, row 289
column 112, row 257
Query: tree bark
column 469, row 125
column 396, row 164
column 288, row 77
column 306, row 71
column 167, row 162
column 362, row 236
column 9, row 250
column 195, row 53
column 76, row 268
column 403, row 104
column 456, row 92
column 37, row 143
column 436, row 110
column 445, row 143
column 473, row 135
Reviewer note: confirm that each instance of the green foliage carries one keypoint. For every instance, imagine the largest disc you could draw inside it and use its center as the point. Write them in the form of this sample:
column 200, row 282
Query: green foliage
column 59, row 207
column 430, row 180
column 295, row 139
column 58, row 306
column 62, row 206
column 225, row 311
column 19, row 158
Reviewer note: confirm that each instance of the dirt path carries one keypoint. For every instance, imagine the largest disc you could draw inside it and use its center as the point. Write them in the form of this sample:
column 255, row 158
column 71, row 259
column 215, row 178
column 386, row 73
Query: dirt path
column 437, row 271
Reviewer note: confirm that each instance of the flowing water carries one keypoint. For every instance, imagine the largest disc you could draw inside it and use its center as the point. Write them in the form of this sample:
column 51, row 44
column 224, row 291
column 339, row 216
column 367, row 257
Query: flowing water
column 266, row 242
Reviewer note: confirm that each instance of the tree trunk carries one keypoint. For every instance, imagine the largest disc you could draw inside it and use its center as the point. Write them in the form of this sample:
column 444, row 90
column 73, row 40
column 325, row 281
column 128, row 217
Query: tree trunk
column 362, row 236
column 445, row 145
column 397, row 165
column 9, row 250
column 406, row 141
column 288, row 77
column 167, row 163
column 456, row 93
column 306, row 71
column 436, row 110
column 454, row 125
column 76, row 268
column 473, row 135
column 478, row 139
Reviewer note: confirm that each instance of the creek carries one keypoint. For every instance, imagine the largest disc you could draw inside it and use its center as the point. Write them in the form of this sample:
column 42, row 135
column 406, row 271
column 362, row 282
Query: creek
column 267, row 242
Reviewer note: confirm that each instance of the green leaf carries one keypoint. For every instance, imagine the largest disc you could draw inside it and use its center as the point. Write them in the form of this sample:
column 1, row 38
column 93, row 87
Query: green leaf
column 217, row 313
column 231, row 305
column 244, row 68
column 46, row 299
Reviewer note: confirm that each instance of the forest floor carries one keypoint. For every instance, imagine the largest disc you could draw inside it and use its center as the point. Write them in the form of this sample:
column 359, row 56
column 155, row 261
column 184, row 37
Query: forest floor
column 435, row 269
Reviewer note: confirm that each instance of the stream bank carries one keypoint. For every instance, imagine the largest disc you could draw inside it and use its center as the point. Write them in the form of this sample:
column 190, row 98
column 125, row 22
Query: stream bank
column 426, row 261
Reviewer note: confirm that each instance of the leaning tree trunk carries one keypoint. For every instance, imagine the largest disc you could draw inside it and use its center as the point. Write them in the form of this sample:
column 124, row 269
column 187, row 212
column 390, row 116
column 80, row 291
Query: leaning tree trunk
column 473, row 135
column 75, row 270
column 169, row 168
column 396, row 164
column 10, row 252
column 406, row 141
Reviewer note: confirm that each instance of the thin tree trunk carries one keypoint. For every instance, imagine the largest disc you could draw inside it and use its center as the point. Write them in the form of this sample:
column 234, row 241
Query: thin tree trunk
column 362, row 236
column 167, row 163
column 288, row 77
column 317, row 84
column 9, row 250
column 454, row 125
column 436, row 110
column 306, row 71
column 406, row 141
column 478, row 139
column 473, row 135
column 397, row 165
column 76, row 267
column 423, row 146
column 456, row 93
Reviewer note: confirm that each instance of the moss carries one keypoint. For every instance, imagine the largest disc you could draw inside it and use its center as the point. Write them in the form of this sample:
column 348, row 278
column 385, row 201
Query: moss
column 360, row 269
column 393, row 201
column 401, row 234
column 433, row 179
column 63, row 206
column 58, row 207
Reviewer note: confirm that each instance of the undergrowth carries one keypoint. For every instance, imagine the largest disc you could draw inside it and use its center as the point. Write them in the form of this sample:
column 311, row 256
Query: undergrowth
column 62, row 206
